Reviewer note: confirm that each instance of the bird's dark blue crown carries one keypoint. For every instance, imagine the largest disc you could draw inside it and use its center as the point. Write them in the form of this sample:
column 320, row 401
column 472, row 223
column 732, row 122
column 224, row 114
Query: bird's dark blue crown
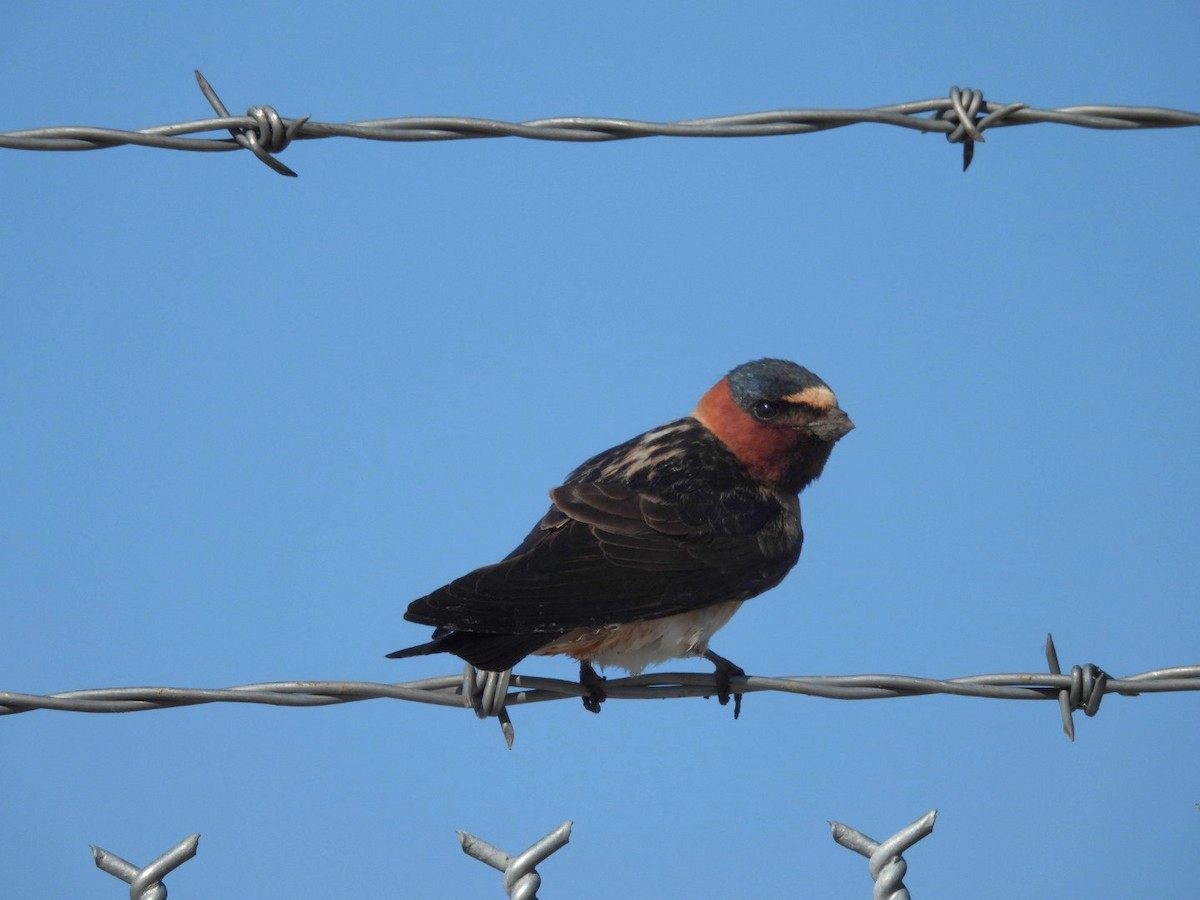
column 769, row 379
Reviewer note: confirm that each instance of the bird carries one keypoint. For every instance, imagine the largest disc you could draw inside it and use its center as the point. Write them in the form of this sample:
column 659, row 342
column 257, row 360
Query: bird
column 650, row 547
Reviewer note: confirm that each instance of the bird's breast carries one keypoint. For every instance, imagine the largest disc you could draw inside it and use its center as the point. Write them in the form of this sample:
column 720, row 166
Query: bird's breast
column 634, row 645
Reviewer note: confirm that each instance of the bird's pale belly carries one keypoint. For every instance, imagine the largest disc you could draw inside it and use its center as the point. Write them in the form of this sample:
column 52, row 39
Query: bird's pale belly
column 634, row 645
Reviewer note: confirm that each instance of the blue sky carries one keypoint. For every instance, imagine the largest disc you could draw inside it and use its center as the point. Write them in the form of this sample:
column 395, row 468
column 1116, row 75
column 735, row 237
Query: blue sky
column 245, row 419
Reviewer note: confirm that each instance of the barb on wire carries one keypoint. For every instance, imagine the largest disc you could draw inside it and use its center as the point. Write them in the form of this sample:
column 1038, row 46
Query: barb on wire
column 488, row 696
column 521, row 879
column 146, row 883
column 1085, row 692
column 885, row 863
column 962, row 117
column 271, row 135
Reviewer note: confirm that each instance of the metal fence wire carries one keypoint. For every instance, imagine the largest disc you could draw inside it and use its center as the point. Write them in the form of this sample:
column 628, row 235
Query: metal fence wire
column 962, row 117
column 520, row 876
column 490, row 694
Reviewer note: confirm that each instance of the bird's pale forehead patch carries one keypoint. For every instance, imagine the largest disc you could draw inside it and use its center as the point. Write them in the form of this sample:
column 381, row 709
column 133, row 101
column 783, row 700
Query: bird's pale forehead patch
column 817, row 395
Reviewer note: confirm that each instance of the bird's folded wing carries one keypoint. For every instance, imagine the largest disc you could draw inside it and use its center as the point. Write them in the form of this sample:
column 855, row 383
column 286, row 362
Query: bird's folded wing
column 605, row 553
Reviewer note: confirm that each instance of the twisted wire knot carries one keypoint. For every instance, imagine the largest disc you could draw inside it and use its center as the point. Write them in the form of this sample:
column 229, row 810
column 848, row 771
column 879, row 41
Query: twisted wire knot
column 270, row 135
column 1086, row 690
column 146, row 883
column 965, row 107
column 521, row 880
column 884, row 861
column 486, row 693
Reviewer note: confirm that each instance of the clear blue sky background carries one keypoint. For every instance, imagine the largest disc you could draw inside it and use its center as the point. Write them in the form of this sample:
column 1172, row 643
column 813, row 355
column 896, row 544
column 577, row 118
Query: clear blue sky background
column 245, row 419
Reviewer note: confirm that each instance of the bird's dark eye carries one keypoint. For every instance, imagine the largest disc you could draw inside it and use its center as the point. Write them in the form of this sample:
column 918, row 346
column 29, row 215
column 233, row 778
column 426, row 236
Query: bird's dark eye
column 765, row 409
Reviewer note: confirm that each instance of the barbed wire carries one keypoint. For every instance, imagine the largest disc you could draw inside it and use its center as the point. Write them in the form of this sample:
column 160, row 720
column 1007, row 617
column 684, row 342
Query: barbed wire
column 521, row 880
column 962, row 117
column 1082, row 688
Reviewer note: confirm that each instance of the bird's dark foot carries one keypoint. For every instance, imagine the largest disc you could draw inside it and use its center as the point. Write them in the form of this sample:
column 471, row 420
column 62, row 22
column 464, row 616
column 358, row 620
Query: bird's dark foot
column 593, row 684
column 724, row 673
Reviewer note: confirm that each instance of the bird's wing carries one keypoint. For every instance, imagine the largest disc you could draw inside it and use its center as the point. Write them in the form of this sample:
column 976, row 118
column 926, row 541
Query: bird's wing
column 607, row 553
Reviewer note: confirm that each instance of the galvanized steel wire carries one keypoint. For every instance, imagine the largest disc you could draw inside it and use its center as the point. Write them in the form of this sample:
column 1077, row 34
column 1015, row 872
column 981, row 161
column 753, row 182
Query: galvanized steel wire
column 884, row 861
column 962, row 117
column 521, row 879
column 1082, row 688
column 146, row 882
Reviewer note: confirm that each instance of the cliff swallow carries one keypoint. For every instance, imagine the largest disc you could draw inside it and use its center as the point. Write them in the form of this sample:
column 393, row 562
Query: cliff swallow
column 650, row 547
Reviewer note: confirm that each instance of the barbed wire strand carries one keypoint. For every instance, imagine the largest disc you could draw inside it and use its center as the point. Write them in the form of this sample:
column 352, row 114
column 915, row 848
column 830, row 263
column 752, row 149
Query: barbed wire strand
column 962, row 117
column 1082, row 689
column 885, row 862
column 146, row 883
column 521, row 878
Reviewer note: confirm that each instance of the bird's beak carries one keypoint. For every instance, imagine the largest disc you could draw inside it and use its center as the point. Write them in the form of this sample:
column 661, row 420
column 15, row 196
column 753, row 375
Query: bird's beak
column 832, row 426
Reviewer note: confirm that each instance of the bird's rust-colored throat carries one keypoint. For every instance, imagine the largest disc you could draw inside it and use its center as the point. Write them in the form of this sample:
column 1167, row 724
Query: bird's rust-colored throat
column 765, row 451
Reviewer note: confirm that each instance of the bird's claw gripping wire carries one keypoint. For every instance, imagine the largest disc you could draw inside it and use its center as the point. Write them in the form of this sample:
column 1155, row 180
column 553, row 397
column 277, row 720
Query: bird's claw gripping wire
column 593, row 683
column 725, row 673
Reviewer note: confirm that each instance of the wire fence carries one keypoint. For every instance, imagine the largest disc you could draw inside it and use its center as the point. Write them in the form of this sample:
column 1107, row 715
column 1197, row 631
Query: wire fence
column 491, row 694
column 962, row 117
column 521, row 879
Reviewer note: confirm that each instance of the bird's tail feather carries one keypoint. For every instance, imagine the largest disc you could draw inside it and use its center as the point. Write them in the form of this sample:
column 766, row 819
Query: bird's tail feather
column 419, row 650
column 490, row 652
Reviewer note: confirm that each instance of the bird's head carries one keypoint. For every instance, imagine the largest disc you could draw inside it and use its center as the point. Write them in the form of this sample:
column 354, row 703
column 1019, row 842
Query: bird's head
column 778, row 418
